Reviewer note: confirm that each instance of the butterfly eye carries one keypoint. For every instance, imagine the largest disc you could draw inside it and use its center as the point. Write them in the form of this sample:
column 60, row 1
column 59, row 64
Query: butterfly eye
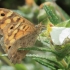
column 9, row 47
column 2, row 14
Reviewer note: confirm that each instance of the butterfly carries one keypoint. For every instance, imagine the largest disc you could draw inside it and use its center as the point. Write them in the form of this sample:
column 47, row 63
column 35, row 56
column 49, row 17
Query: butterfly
column 17, row 32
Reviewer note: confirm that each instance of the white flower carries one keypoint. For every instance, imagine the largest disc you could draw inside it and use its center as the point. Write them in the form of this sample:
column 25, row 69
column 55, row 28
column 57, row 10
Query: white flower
column 59, row 34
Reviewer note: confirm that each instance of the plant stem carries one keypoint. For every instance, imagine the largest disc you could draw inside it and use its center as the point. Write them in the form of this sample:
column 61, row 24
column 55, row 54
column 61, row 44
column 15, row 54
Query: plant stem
column 64, row 63
column 5, row 59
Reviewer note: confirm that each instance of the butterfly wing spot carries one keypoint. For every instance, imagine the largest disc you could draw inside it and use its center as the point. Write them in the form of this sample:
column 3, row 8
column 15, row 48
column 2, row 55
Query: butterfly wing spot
column 19, row 34
column 2, row 14
column 4, row 24
column 23, row 21
column 9, row 13
column 27, row 27
column 16, row 18
column 9, row 47
column 7, row 21
column 24, row 26
column 11, row 27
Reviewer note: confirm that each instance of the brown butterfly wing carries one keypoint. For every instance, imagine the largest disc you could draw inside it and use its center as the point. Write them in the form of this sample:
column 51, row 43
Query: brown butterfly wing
column 12, row 24
column 12, row 35
column 18, row 32
column 25, row 41
column 24, row 38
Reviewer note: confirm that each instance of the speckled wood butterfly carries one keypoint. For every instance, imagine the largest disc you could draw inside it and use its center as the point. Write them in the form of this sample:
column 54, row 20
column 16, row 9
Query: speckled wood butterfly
column 17, row 32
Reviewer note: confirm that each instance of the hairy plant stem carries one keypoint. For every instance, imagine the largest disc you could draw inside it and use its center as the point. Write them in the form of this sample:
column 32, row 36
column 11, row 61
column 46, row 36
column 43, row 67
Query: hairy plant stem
column 63, row 62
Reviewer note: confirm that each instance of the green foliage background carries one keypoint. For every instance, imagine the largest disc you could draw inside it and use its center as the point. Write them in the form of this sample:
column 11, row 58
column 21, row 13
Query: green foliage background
column 44, row 55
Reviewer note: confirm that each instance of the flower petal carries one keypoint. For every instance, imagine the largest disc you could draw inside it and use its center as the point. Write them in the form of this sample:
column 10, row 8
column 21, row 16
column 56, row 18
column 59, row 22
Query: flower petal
column 55, row 34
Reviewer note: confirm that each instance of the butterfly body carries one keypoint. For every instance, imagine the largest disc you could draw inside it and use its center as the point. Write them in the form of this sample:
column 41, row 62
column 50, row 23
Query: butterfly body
column 17, row 33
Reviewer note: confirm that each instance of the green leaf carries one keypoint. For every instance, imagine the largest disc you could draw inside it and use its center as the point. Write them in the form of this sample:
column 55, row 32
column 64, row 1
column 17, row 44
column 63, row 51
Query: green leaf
column 64, row 51
column 51, row 60
column 25, row 9
column 38, row 49
column 20, row 67
column 52, row 17
column 64, row 24
column 45, row 63
column 57, row 64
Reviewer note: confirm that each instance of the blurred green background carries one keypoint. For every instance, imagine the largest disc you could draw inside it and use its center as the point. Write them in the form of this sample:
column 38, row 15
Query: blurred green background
column 32, row 15
column 13, row 4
